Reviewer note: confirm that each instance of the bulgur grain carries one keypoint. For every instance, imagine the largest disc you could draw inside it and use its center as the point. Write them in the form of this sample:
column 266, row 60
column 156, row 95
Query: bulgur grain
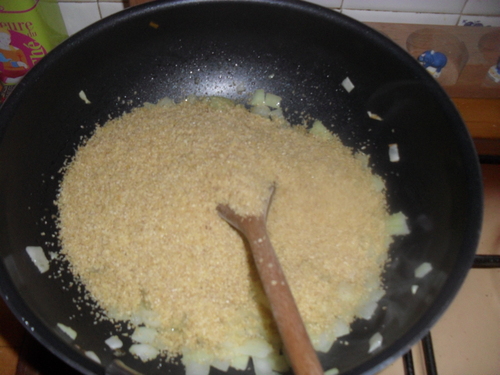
column 138, row 223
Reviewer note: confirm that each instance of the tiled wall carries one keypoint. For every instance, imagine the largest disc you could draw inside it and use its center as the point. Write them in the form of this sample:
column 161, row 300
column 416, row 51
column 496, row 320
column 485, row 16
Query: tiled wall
column 80, row 13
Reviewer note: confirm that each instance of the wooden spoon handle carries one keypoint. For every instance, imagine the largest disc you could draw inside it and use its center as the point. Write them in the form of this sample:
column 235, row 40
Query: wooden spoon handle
column 300, row 351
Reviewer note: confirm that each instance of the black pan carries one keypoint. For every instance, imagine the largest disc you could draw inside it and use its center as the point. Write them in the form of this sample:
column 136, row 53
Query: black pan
column 293, row 49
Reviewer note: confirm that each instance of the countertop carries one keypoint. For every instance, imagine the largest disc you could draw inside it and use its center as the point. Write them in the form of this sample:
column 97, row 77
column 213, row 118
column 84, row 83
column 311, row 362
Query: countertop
column 482, row 117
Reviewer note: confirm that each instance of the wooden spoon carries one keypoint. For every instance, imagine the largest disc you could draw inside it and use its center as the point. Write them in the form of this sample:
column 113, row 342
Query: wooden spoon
column 297, row 344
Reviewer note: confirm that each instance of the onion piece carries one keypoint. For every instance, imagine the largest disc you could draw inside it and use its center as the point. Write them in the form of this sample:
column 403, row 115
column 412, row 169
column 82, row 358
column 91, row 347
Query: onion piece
column 220, row 365
column 278, row 362
column 375, row 342
column 324, row 342
column 239, row 362
column 165, row 102
column 38, row 258
column 240, row 88
column 258, row 98
column 194, row 368
column 67, row 330
column 332, row 371
column 277, row 113
column 378, row 183
column 374, row 116
column 262, row 366
column 341, row 328
column 394, row 153
column 261, row 110
column 397, row 225
column 347, row 84
column 83, row 96
column 423, row 270
column 367, row 310
column 93, row 356
column 145, row 352
column 414, row 289
column 114, row 342
column 273, row 101
column 255, row 348
column 144, row 335
column 220, row 102
column 319, row 130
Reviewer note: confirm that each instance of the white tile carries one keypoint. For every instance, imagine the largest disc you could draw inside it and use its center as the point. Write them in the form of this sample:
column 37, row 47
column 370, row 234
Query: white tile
column 327, row 3
column 108, row 8
column 466, row 20
column 78, row 15
column 402, row 17
column 424, row 6
column 486, row 7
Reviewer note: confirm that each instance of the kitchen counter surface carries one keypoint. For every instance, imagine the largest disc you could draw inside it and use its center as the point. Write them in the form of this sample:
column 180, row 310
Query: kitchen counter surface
column 482, row 117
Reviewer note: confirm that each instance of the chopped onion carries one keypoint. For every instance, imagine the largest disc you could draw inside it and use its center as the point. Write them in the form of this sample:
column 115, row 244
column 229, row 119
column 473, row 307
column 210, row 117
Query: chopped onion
column 83, row 96
column 38, row 258
column 220, row 102
column 239, row 362
column 414, row 289
column 262, row 110
column 255, row 348
column 397, row 225
column 92, row 356
column 367, row 310
column 258, row 98
column 146, row 317
column 144, row 335
column 393, row 152
column 319, row 130
column 145, row 352
column 423, row 270
column 240, row 88
column 262, row 366
column 67, row 330
column 278, row 362
column 374, row 116
column 165, row 102
column 378, row 182
column 193, row 368
column 324, row 342
column 277, row 113
column 220, row 365
column 340, row 329
column 332, row 371
column 273, row 101
column 196, row 362
column 375, row 342
column 114, row 342
column 347, row 84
